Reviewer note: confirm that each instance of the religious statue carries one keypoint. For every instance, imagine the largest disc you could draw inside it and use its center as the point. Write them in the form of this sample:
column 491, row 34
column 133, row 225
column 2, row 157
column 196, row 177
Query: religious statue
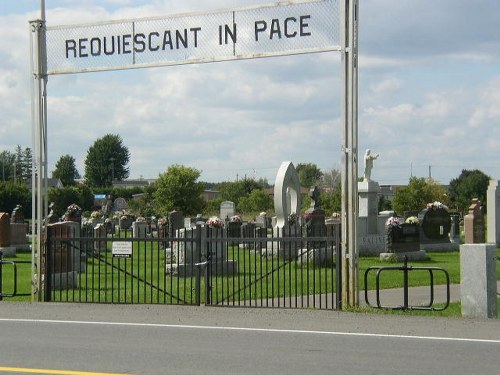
column 369, row 158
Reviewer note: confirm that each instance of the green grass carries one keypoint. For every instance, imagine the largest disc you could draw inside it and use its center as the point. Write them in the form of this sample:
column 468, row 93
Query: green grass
column 142, row 279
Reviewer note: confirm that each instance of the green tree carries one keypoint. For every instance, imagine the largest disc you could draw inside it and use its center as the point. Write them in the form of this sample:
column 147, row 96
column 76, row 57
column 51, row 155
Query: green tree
column 7, row 160
column 178, row 189
column 470, row 184
column 65, row 196
column 234, row 191
column 12, row 194
column 23, row 163
column 107, row 159
column 309, row 174
column 66, row 170
column 257, row 201
column 417, row 194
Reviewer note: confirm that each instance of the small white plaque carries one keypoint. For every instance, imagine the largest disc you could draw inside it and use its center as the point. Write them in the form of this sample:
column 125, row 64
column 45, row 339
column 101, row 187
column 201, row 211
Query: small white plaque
column 122, row 249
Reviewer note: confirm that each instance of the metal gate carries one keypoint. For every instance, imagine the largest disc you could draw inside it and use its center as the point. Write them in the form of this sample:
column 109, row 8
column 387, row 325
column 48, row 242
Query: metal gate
column 201, row 265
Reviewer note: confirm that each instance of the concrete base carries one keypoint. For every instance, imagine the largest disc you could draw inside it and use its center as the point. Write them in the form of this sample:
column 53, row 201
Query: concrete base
column 319, row 257
column 65, row 280
column 440, row 247
column 8, row 251
column 400, row 257
column 220, row 268
column 478, row 280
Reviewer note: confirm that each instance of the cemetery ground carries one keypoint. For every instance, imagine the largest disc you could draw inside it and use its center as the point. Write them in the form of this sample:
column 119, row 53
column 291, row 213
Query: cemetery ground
column 182, row 289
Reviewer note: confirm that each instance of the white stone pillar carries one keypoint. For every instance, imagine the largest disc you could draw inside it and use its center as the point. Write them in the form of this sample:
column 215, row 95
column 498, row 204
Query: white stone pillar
column 478, row 280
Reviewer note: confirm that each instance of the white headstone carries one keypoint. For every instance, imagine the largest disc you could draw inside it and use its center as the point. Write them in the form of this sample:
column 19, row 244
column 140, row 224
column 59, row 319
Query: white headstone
column 286, row 193
column 493, row 212
column 227, row 209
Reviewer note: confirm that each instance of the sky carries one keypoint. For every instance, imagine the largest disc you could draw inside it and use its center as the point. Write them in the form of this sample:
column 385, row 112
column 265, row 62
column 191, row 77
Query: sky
column 429, row 95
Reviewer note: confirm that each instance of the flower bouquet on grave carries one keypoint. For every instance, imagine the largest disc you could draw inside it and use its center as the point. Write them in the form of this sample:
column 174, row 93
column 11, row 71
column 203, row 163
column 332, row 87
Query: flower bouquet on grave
column 215, row 222
column 436, row 206
column 235, row 219
column 413, row 220
column 73, row 213
column 393, row 232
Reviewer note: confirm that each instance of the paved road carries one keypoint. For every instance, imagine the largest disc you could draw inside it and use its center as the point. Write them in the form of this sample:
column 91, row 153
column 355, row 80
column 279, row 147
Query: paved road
column 139, row 339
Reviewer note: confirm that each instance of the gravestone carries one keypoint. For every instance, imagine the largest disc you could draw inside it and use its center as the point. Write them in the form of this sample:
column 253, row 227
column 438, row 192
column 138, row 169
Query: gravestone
column 120, row 204
column 402, row 240
column 66, row 258
column 287, row 203
column 227, row 210
column 262, row 220
column 5, row 236
column 175, row 222
column 474, row 224
column 139, row 228
column 233, row 226
column 493, row 212
column 18, row 229
column 287, row 197
column 183, row 254
column 125, row 222
column 100, row 232
column 435, row 226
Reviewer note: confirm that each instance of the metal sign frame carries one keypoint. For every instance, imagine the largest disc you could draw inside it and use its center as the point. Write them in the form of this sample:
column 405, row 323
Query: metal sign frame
column 348, row 48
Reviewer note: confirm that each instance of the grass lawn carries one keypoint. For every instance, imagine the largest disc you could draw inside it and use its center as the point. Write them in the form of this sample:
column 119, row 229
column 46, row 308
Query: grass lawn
column 142, row 279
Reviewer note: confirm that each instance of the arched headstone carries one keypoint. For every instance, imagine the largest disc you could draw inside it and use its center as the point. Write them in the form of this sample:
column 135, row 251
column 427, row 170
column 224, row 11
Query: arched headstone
column 286, row 193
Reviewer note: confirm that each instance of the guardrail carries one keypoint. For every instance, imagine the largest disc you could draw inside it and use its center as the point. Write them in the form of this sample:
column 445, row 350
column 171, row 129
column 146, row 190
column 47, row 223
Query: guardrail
column 406, row 269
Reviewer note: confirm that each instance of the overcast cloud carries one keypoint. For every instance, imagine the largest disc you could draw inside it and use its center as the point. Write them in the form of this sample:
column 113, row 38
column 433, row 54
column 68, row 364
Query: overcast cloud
column 429, row 95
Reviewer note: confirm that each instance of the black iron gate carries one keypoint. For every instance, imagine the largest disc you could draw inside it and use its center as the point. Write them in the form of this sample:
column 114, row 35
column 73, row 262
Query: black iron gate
column 198, row 265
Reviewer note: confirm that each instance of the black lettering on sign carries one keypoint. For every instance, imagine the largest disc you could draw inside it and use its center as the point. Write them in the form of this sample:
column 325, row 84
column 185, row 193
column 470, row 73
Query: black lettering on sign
column 70, row 46
column 290, row 27
column 95, row 46
column 82, row 47
column 126, row 44
column 150, row 40
column 111, row 51
column 139, row 43
column 227, row 32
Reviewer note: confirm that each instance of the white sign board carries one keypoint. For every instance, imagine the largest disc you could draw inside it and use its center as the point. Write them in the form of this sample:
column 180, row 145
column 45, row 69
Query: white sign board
column 122, row 249
column 290, row 27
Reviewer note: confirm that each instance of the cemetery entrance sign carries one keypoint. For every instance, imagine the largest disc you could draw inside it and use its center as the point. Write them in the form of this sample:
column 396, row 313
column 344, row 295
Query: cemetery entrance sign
column 283, row 28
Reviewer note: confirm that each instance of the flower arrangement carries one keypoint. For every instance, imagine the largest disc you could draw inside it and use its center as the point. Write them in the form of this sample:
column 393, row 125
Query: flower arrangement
column 235, row 219
column 140, row 219
column 412, row 220
column 436, row 205
column 162, row 221
column 393, row 221
column 73, row 210
column 215, row 222
column 95, row 215
column 293, row 219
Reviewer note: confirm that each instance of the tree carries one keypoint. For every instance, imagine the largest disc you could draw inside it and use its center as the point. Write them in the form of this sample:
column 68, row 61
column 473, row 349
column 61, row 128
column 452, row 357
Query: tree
column 106, row 161
column 66, row 170
column 470, row 184
column 7, row 160
column 65, row 196
column 234, row 191
column 12, row 194
column 177, row 189
column 417, row 194
column 309, row 174
column 257, row 201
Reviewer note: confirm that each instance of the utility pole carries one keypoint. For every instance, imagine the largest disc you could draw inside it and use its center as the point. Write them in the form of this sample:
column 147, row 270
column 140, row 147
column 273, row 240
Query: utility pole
column 349, row 110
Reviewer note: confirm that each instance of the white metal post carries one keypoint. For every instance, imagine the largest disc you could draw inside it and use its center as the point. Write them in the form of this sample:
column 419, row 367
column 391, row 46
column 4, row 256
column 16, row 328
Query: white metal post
column 39, row 138
column 349, row 46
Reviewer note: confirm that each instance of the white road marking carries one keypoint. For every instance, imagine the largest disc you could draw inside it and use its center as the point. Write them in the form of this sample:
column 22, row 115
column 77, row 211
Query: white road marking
column 248, row 329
